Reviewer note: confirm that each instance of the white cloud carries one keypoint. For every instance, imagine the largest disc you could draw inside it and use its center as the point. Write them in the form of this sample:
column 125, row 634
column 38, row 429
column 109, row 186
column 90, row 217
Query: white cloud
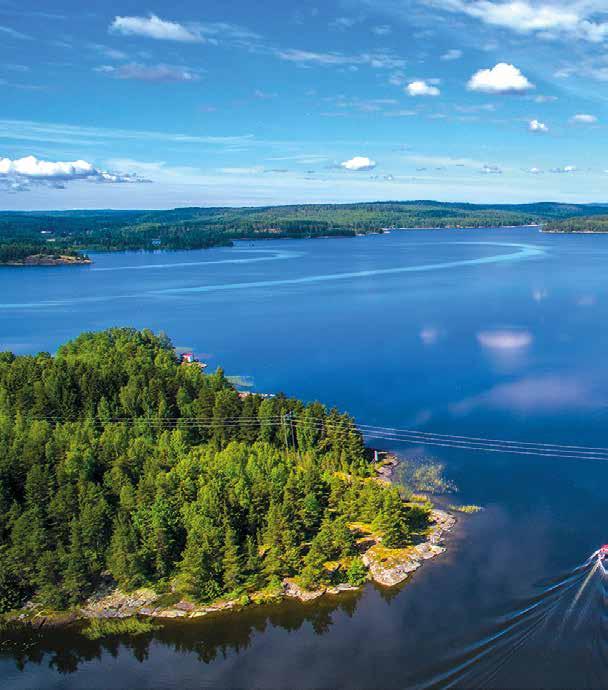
column 491, row 170
column 253, row 170
column 309, row 57
column 28, row 130
column 453, row 54
column 382, row 30
column 359, row 163
column 19, row 174
column 584, row 119
column 565, row 170
column 135, row 70
column 154, row 27
column 503, row 78
column 537, row 126
column 548, row 19
column 422, row 88
column 343, row 23
column 535, row 171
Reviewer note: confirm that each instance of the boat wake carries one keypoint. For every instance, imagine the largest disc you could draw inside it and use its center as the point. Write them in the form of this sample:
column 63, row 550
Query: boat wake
column 564, row 605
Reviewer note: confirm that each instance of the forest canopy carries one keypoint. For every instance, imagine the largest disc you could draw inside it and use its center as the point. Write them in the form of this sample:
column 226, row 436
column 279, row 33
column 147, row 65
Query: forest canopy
column 117, row 459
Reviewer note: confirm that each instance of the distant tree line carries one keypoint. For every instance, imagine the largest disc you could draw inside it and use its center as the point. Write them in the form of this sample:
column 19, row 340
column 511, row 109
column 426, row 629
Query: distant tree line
column 195, row 228
column 583, row 224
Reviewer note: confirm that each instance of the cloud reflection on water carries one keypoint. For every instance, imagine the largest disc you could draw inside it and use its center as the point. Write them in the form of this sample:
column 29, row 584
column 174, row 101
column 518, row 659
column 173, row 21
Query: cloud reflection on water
column 535, row 394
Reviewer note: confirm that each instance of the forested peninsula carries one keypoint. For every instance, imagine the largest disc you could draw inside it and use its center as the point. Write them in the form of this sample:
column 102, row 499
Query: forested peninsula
column 199, row 228
column 132, row 482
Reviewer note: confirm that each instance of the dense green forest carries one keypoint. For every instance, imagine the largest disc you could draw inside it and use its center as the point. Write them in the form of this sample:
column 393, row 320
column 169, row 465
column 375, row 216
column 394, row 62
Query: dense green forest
column 194, row 228
column 582, row 224
column 116, row 457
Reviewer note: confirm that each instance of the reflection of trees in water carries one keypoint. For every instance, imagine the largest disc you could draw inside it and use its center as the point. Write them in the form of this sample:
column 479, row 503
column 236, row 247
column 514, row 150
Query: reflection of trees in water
column 64, row 649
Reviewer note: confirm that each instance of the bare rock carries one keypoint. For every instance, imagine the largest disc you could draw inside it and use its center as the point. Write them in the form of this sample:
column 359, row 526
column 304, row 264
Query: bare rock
column 293, row 590
column 392, row 571
column 169, row 613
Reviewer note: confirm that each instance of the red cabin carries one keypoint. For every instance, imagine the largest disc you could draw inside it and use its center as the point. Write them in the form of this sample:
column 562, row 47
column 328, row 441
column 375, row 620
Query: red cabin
column 188, row 357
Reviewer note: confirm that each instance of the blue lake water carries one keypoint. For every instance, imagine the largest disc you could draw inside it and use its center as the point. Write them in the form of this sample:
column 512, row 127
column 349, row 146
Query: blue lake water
column 489, row 333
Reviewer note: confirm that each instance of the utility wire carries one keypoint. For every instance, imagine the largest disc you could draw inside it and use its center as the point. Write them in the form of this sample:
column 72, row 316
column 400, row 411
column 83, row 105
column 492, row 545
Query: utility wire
column 320, row 424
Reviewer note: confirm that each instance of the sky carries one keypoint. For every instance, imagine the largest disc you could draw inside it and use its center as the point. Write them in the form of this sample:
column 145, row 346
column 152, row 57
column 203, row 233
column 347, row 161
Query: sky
column 158, row 105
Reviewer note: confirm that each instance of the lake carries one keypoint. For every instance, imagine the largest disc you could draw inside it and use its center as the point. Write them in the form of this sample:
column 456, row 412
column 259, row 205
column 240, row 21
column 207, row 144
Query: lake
column 496, row 334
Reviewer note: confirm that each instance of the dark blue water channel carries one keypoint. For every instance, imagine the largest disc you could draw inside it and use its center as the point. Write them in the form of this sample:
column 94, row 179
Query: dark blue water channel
column 489, row 333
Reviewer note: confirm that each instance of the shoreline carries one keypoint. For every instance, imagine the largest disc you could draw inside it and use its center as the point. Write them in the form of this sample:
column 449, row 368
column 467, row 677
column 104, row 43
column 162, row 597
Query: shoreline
column 44, row 260
column 65, row 260
column 386, row 568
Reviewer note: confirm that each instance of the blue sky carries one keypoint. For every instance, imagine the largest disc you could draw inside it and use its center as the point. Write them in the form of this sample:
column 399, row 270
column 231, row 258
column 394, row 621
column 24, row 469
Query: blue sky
column 156, row 104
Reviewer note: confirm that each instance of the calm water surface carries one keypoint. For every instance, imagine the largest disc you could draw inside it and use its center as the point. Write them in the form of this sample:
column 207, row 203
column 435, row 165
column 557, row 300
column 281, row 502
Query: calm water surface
column 494, row 333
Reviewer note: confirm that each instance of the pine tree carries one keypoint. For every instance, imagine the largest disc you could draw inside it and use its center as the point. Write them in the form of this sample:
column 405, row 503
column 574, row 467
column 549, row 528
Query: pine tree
column 232, row 561
column 199, row 572
column 76, row 580
column 123, row 557
column 392, row 520
column 253, row 562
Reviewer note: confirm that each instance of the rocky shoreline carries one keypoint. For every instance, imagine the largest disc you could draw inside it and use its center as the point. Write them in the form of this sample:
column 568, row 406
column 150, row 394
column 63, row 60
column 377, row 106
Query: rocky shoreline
column 386, row 567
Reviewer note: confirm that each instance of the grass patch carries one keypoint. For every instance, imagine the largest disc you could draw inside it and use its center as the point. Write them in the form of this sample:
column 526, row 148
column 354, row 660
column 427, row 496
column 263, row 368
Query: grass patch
column 167, row 600
column 470, row 509
column 97, row 628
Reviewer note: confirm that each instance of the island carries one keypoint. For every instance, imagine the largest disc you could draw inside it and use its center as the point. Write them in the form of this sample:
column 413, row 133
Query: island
column 201, row 227
column 23, row 254
column 134, row 486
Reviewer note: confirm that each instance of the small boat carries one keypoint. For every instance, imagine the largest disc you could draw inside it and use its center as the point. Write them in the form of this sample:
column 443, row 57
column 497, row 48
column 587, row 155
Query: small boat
column 603, row 552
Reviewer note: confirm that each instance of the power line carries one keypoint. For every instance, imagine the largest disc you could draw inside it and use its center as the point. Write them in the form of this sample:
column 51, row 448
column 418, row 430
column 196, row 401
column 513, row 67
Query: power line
column 324, row 424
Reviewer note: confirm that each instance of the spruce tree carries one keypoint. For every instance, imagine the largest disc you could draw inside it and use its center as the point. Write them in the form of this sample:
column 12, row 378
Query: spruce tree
column 76, row 581
column 232, row 562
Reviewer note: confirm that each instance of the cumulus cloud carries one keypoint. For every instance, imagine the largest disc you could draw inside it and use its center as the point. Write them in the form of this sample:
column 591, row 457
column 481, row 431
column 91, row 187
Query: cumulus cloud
column 537, row 126
column 503, row 78
column 422, row 88
column 162, row 72
column 154, row 27
column 358, row 163
column 22, row 173
column 548, row 19
column 565, row 170
column 583, row 119
column 453, row 54
column 535, row 171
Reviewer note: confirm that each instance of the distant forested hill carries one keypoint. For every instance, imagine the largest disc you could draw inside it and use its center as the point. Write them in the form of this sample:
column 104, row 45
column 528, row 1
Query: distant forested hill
column 194, row 228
